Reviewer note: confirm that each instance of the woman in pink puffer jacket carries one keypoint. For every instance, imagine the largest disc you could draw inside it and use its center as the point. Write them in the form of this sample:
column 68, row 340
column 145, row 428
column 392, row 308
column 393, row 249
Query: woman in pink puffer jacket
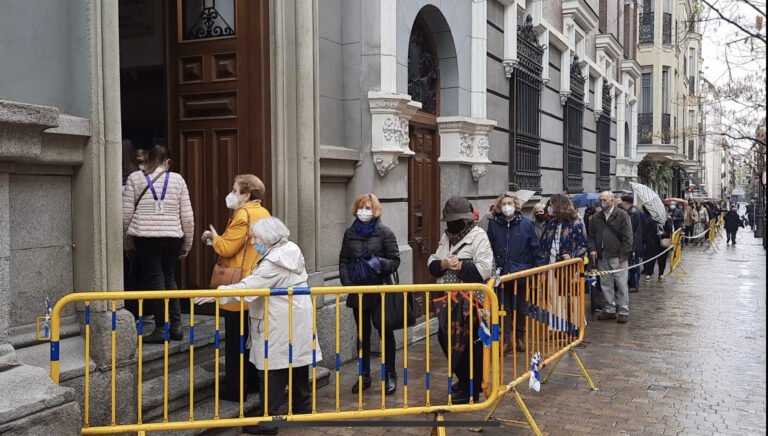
column 158, row 224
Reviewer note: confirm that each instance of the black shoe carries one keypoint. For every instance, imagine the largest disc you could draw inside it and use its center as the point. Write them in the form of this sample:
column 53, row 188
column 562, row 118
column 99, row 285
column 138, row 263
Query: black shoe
column 391, row 384
column 455, row 388
column 606, row 315
column 462, row 397
column 366, row 384
column 634, row 290
column 622, row 319
column 260, row 429
column 158, row 336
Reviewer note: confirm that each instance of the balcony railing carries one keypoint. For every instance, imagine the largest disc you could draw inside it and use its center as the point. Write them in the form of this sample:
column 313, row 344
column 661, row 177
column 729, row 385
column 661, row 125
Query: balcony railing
column 646, row 27
column 666, row 29
column 691, row 85
column 665, row 128
column 644, row 128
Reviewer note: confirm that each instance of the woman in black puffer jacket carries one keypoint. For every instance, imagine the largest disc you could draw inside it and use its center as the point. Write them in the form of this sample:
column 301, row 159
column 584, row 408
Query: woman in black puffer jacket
column 368, row 238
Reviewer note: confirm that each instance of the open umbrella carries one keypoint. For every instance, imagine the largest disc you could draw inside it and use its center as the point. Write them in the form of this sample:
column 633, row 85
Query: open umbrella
column 648, row 197
column 524, row 195
column 585, row 200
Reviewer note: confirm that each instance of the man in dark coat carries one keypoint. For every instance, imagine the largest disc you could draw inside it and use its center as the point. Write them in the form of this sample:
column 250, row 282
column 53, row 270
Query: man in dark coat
column 677, row 215
column 636, row 218
column 732, row 224
column 751, row 214
column 610, row 244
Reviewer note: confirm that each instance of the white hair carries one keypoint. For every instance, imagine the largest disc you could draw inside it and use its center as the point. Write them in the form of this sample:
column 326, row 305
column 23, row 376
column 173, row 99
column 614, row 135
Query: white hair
column 270, row 230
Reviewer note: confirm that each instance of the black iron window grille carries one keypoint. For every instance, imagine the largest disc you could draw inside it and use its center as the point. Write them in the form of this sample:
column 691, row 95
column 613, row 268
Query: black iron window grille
column 525, row 102
column 604, row 140
column 423, row 73
column 210, row 23
column 665, row 129
column 691, row 85
column 573, row 179
column 644, row 128
column 646, row 27
column 666, row 28
column 690, row 149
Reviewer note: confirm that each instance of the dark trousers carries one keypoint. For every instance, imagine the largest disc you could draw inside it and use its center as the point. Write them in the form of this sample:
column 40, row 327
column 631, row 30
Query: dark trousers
column 462, row 366
column 365, row 341
column 278, row 397
column 231, row 389
column 661, row 261
column 688, row 233
column 730, row 236
column 514, row 304
column 634, row 273
column 155, row 269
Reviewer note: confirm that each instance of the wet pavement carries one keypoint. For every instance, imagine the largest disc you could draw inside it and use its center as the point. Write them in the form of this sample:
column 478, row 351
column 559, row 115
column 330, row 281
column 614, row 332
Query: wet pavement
column 690, row 361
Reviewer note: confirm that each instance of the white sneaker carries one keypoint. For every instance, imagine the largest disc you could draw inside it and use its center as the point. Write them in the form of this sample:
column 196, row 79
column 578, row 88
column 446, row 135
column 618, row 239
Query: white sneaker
column 662, row 278
column 647, row 278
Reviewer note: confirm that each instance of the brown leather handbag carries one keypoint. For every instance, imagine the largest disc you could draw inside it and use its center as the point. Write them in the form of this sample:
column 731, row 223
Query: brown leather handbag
column 229, row 275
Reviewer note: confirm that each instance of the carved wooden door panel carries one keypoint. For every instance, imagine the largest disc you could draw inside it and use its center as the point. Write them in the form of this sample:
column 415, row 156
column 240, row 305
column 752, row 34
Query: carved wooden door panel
column 423, row 203
column 217, row 61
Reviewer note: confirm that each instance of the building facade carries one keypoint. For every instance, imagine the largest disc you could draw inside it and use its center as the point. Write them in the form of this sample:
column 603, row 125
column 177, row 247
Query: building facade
column 669, row 123
column 414, row 100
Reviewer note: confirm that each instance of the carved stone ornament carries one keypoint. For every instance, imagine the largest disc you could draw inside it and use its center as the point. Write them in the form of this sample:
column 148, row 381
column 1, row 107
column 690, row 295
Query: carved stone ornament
column 465, row 146
column 390, row 138
column 509, row 67
column 478, row 171
column 464, row 140
column 564, row 97
column 483, row 146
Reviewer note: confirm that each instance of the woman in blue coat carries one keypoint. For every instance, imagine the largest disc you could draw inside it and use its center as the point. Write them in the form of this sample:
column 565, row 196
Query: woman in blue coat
column 515, row 248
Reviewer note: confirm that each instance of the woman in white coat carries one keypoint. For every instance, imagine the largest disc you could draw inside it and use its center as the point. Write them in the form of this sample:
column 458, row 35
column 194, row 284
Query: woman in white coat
column 281, row 266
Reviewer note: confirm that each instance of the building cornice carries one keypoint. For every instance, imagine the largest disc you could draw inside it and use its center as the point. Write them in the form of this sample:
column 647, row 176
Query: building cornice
column 581, row 13
column 609, row 45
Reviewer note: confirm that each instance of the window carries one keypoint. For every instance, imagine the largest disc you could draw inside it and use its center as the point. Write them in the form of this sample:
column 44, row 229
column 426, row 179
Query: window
column 646, row 101
column 603, row 164
column 645, row 117
column 573, row 133
column 205, row 19
column 665, row 90
column 525, row 101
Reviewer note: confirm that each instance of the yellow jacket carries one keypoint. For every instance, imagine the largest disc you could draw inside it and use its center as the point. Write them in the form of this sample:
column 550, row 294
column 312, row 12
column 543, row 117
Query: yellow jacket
column 233, row 244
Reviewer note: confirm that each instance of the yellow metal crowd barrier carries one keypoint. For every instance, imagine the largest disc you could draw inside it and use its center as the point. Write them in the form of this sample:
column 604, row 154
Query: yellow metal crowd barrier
column 553, row 323
column 676, row 255
column 432, row 400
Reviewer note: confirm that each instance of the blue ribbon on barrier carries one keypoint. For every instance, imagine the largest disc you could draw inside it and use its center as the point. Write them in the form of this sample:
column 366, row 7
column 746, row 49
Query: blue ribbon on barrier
column 87, row 315
column 360, row 366
column 314, row 358
column 405, row 376
column 426, row 381
column 290, row 353
column 495, row 332
column 191, row 335
column 383, row 372
column 114, row 320
column 266, row 349
column 242, row 344
column 338, row 362
column 140, row 329
column 472, row 387
column 450, row 382
column 284, row 291
column 216, row 339
column 54, row 351
column 166, row 332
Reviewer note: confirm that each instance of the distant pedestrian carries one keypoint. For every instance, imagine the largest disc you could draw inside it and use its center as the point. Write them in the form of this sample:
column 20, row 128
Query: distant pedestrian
column 677, row 215
column 159, row 222
column 690, row 218
column 369, row 242
column 637, row 219
column 702, row 223
column 732, row 224
column 539, row 219
column 515, row 248
column 589, row 212
column 657, row 239
column 610, row 245
column 463, row 255
column 751, row 214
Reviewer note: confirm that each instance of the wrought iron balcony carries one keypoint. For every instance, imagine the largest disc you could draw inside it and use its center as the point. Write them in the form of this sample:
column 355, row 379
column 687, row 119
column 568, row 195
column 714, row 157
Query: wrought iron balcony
column 691, row 85
column 665, row 128
column 666, row 29
column 644, row 128
column 646, row 27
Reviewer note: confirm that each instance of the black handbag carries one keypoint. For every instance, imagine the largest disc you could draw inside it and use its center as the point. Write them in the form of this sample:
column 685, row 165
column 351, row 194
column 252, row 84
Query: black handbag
column 394, row 316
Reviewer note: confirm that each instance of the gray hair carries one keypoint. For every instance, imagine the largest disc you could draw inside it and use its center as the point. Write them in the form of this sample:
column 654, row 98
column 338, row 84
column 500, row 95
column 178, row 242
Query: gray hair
column 270, row 230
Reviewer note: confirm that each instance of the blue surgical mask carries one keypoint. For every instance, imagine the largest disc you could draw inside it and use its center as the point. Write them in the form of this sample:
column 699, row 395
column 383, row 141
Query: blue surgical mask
column 260, row 248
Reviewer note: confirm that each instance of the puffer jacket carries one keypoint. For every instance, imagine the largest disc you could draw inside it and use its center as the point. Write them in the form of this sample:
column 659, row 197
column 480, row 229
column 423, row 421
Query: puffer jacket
column 381, row 243
column 514, row 243
column 234, row 245
column 282, row 267
column 177, row 219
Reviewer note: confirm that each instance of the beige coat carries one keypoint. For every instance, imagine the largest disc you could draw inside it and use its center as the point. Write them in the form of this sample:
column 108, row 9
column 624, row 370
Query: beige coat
column 176, row 220
column 478, row 249
column 282, row 267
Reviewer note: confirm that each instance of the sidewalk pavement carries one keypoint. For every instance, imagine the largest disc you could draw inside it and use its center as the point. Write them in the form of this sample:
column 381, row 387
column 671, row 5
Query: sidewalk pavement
column 690, row 361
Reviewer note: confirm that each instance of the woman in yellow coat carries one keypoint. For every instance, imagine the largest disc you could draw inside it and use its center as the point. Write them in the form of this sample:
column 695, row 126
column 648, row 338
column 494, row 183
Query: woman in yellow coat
column 235, row 251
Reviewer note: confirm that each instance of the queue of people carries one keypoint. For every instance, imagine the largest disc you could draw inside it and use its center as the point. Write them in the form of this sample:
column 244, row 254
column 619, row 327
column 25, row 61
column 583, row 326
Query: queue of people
column 254, row 251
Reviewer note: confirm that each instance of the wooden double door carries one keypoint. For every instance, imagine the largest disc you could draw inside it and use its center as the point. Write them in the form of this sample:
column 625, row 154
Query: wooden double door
column 217, row 83
column 423, row 201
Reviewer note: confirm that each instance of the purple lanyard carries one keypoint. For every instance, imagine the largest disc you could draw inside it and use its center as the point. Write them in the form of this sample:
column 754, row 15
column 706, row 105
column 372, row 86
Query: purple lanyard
column 152, row 186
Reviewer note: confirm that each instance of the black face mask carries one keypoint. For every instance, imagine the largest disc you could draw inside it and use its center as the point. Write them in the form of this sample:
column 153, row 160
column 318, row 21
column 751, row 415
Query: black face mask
column 539, row 217
column 455, row 227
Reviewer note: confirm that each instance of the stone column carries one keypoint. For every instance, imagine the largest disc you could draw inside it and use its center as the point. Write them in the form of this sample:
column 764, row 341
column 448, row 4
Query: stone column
column 510, row 36
column 7, row 353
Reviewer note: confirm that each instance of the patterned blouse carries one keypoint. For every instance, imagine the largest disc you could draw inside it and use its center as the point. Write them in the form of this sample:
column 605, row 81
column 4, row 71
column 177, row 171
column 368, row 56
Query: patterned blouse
column 573, row 240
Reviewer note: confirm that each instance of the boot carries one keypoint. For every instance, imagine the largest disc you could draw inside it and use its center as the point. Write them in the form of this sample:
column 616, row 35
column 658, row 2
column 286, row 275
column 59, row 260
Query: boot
column 391, row 384
column 366, row 384
column 175, row 333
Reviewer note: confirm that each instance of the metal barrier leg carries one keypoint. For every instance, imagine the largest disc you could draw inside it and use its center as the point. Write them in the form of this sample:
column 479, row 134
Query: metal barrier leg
column 583, row 370
column 526, row 412
column 552, row 371
column 438, row 430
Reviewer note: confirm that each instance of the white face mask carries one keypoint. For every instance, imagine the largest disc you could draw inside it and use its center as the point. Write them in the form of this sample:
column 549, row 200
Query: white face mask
column 550, row 211
column 508, row 210
column 232, row 200
column 142, row 167
column 364, row 215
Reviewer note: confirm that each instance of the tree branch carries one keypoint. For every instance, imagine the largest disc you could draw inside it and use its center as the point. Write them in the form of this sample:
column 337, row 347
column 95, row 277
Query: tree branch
column 734, row 23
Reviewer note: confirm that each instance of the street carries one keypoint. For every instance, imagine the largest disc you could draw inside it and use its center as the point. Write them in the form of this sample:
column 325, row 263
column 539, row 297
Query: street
column 691, row 360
